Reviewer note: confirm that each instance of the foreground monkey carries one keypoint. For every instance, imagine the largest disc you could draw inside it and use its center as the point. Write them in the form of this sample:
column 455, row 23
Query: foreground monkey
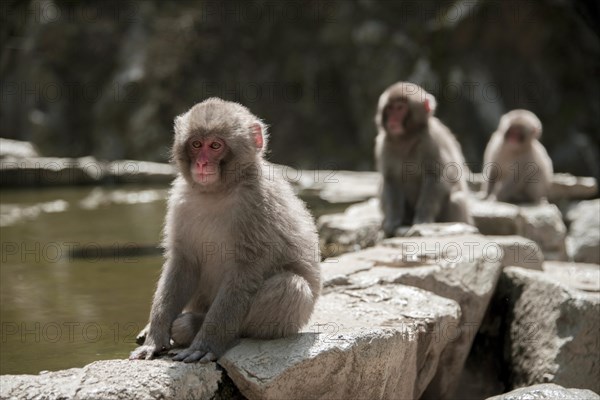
column 424, row 172
column 241, row 255
column 517, row 168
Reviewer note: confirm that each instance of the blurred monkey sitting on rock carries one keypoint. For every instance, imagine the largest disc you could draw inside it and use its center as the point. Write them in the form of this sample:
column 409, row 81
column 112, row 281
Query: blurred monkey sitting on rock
column 423, row 168
column 516, row 166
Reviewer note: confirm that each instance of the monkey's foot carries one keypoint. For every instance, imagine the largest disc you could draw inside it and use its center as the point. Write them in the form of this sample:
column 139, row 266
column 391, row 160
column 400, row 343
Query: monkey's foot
column 191, row 355
column 143, row 353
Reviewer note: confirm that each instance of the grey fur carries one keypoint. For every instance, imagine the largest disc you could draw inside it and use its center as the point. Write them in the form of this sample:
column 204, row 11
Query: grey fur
column 242, row 256
column 424, row 171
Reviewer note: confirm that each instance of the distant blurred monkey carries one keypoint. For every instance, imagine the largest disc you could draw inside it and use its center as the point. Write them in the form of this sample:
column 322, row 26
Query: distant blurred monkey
column 413, row 150
column 517, row 168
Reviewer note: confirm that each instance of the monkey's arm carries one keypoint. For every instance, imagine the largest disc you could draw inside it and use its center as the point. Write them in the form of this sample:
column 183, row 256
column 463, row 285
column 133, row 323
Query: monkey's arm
column 223, row 322
column 175, row 286
column 433, row 193
column 392, row 205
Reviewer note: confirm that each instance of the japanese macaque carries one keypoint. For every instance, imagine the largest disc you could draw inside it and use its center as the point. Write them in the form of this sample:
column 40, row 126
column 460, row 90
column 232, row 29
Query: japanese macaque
column 424, row 172
column 516, row 166
column 241, row 250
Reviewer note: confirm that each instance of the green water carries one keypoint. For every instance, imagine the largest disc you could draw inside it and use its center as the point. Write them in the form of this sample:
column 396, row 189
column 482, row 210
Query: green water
column 59, row 310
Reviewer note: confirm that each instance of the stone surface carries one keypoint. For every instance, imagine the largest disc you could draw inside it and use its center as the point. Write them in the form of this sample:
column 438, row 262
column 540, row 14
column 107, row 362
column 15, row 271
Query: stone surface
column 495, row 218
column 51, row 171
column 463, row 268
column 356, row 228
column 567, row 186
column 355, row 186
column 441, row 229
column 131, row 171
column 564, row 186
column 550, row 330
column 547, row 391
column 16, row 149
column 583, row 239
column 378, row 342
column 576, row 275
column 117, row 379
column 519, row 251
column 359, row 227
column 541, row 223
column 335, row 186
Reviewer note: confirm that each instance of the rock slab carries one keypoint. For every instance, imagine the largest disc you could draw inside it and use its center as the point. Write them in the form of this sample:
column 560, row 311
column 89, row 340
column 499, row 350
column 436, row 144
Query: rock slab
column 583, row 240
column 462, row 268
column 550, row 330
column 117, row 379
column 541, row 223
column 359, row 227
column 381, row 342
column 547, row 391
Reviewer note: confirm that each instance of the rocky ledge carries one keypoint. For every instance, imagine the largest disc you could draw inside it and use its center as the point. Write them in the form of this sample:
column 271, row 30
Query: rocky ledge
column 397, row 320
column 543, row 226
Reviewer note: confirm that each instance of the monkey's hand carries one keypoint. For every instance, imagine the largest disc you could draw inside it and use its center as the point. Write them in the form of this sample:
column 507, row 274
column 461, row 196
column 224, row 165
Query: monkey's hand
column 196, row 352
column 148, row 351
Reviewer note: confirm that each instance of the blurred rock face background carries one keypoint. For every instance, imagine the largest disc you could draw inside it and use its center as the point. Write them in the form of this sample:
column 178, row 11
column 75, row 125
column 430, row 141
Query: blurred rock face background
column 106, row 78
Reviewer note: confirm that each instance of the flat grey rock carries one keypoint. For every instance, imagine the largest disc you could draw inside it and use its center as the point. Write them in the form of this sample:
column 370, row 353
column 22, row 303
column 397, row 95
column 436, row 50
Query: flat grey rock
column 551, row 330
column 548, row 391
column 583, row 240
column 117, row 379
column 580, row 276
column 519, row 251
column 380, row 342
column 358, row 227
column 10, row 148
column 541, row 223
column 464, row 268
column 567, row 186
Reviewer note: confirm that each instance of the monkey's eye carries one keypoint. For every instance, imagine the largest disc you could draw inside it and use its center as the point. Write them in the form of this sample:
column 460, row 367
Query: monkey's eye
column 215, row 145
column 196, row 144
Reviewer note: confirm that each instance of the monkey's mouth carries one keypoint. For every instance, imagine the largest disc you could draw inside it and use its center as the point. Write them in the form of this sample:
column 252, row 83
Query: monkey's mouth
column 514, row 137
column 395, row 128
column 206, row 177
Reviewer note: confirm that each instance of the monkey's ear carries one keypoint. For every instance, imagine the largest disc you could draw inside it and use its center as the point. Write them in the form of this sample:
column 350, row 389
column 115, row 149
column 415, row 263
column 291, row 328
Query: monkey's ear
column 430, row 104
column 180, row 122
column 257, row 135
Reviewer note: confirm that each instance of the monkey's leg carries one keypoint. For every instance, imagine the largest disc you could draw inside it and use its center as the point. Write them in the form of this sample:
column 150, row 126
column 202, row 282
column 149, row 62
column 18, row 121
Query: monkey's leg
column 141, row 337
column 506, row 190
column 432, row 196
column 535, row 190
column 185, row 328
column 456, row 209
column 393, row 206
column 281, row 307
column 175, row 287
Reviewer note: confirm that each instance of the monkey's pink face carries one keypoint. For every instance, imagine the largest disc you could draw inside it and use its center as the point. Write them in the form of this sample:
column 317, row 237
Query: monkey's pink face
column 515, row 136
column 395, row 114
column 206, row 155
